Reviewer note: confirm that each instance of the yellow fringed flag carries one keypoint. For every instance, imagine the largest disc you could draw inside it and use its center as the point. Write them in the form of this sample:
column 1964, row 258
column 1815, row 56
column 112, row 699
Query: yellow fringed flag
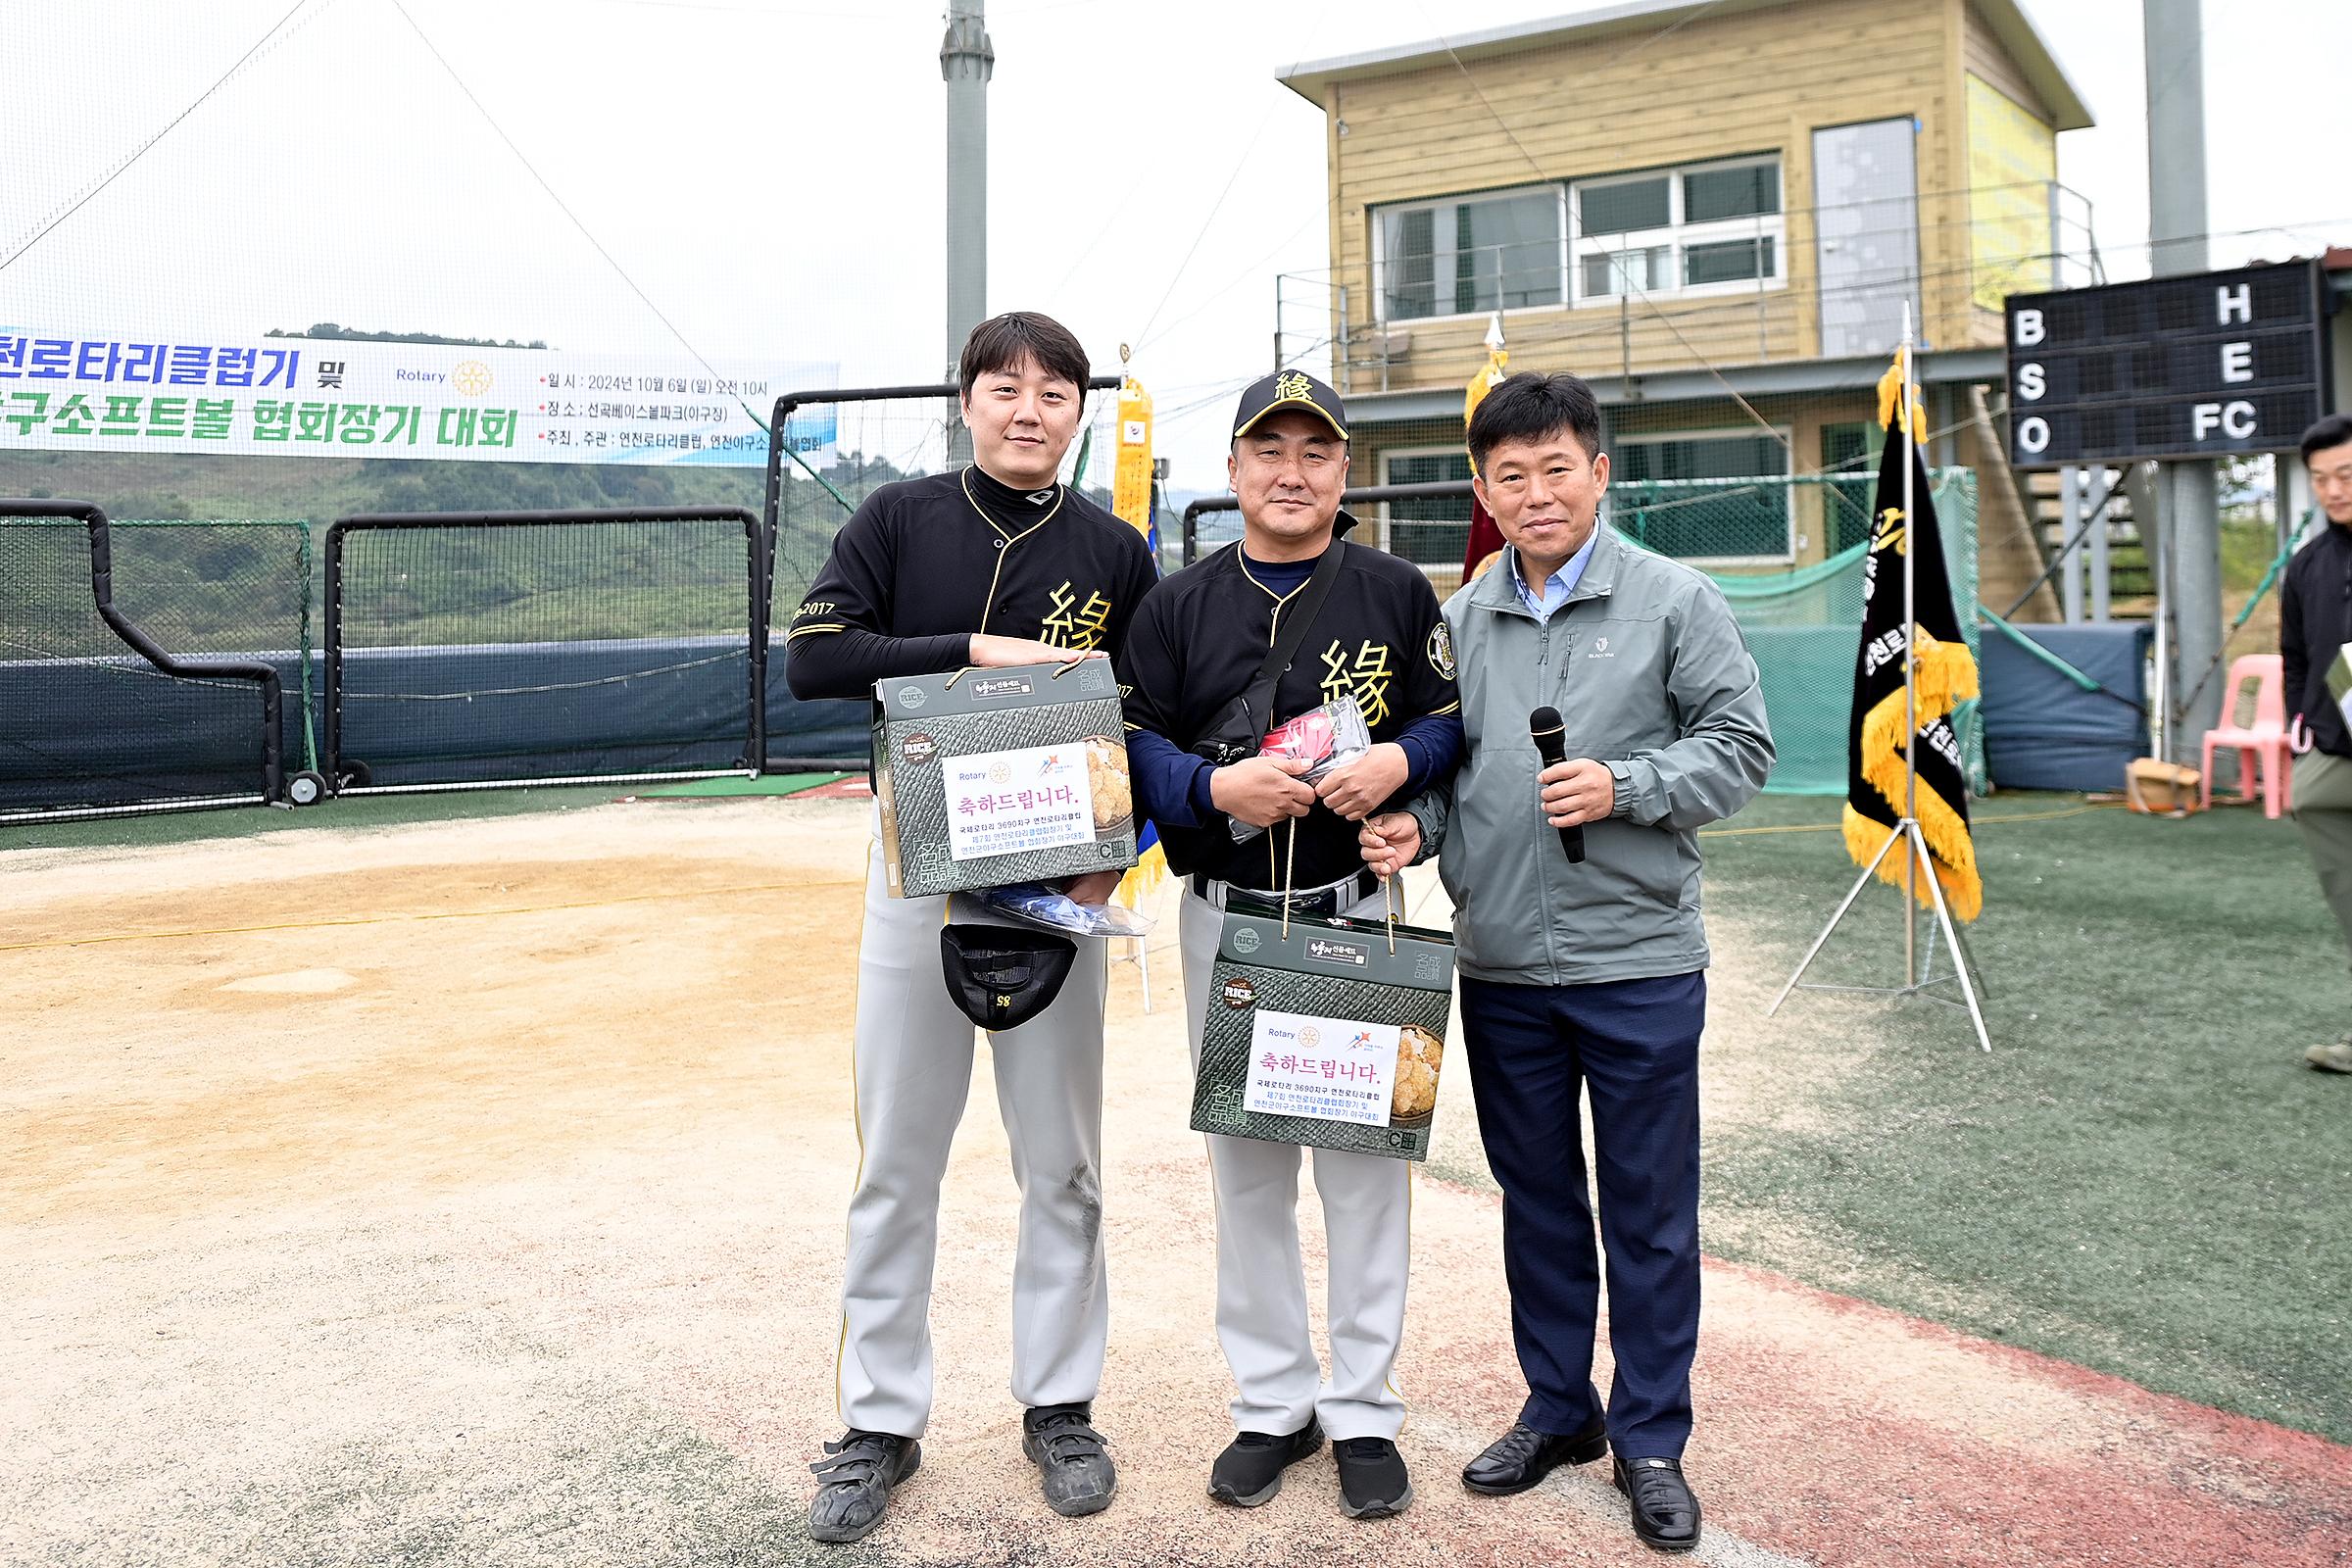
column 1945, row 676
column 1131, row 476
column 1131, row 500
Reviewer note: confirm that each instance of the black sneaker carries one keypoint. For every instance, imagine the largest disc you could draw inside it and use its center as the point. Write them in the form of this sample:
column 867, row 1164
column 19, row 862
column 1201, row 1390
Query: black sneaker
column 1665, row 1513
column 858, row 1472
column 1250, row 1470
column 1061, row 1442
column 1373, row 1483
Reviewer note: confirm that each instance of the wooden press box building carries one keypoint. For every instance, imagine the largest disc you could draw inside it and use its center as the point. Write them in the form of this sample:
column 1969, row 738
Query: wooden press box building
column 1678, row 201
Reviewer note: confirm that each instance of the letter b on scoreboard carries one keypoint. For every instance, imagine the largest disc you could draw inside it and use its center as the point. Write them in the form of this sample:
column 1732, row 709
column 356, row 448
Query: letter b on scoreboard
column 2204, row 365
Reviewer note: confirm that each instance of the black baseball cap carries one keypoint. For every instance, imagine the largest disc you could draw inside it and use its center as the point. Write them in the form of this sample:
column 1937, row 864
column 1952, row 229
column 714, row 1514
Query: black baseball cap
column 1290, row 389
column 1002, row 976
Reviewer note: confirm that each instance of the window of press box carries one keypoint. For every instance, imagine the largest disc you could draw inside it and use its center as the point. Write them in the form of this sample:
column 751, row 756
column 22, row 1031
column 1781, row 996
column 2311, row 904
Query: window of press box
column 1469, row 255
column 1705, row 495
column 1707, row 229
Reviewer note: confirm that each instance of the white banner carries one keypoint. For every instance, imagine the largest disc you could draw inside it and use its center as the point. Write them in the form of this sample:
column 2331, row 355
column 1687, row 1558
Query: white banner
column 336, row 397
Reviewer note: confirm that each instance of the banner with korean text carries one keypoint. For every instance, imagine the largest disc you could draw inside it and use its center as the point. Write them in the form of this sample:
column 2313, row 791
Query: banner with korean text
column 350, row 398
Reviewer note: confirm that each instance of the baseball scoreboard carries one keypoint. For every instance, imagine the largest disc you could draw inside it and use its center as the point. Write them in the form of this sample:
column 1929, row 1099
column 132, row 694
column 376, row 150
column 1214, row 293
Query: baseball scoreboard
column 2205, row 366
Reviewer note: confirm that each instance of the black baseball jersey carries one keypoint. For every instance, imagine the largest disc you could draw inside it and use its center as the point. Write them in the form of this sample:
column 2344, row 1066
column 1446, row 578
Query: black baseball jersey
column 926, row 563
column 1203, row 633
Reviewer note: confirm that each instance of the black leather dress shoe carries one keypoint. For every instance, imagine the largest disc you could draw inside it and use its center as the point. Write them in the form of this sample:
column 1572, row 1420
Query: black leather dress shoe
column 1523, row 1456
column 1665, row 1513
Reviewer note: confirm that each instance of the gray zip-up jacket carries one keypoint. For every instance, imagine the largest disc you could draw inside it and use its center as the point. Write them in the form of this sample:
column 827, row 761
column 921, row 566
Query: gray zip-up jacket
column 1650, row 674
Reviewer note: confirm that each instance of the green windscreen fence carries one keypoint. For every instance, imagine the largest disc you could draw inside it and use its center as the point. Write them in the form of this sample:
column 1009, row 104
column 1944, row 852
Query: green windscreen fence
column 1802, row 622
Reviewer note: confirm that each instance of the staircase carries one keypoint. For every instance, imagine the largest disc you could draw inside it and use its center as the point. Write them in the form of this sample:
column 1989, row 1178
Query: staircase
column 2132, row 583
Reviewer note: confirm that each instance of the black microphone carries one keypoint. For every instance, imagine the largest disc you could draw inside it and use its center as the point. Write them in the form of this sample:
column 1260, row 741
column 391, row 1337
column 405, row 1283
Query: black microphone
column 1549, row 734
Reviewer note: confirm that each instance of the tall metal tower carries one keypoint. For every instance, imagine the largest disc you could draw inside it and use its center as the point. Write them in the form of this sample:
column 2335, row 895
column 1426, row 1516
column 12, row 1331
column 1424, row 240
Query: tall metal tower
column 966, row 61
column 2188, row 493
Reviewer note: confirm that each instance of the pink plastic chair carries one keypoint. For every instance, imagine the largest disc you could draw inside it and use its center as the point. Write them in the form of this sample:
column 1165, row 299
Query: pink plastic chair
column 2265, row 738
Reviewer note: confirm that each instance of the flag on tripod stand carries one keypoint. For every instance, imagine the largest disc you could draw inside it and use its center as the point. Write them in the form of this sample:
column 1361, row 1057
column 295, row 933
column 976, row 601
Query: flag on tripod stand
column 1945, row 676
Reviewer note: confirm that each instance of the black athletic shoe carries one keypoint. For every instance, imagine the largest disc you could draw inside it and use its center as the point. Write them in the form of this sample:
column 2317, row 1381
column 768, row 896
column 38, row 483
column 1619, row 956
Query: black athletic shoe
column 1665, row 1513
column 858, row 1472
column 1061, row 1442
column 1373, row 1483
column 1523, row 1456
column 1250, row 1470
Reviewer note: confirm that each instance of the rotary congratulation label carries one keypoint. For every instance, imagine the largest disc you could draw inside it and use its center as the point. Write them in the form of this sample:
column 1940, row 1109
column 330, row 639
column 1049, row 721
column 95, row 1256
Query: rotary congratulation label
column 1336, row 1069
column 1004, row 802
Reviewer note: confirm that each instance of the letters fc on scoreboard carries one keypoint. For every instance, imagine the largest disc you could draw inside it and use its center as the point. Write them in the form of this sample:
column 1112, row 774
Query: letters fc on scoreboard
column 2209, row 364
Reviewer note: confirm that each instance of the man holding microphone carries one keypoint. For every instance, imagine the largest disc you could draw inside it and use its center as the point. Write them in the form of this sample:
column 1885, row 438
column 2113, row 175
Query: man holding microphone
column 1610, row 710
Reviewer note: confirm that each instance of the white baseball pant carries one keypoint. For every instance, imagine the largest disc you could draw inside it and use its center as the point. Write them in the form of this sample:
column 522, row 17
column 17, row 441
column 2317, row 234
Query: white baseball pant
column 913, row 1072
column 1261, row 1279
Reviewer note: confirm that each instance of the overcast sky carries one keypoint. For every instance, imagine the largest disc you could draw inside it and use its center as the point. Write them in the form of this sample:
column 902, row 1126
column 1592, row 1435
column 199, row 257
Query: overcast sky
column 770, row 174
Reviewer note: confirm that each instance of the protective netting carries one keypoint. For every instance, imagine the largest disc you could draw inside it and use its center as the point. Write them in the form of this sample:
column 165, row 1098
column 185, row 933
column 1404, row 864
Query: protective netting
column 239, row 588
column 873, row 442
column 506, row 649
column 86, row 722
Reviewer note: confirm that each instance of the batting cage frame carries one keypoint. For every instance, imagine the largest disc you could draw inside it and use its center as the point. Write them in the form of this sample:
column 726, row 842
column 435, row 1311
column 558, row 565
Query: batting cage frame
column 159, row 661
column 349, row 774
column 773, row 502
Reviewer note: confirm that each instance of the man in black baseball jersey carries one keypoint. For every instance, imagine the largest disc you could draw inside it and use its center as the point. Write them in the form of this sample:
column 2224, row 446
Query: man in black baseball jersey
column 997, row 564
column 1196, row 643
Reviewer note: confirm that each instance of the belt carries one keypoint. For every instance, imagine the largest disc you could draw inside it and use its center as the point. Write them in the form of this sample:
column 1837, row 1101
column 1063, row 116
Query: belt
column 1331, row 898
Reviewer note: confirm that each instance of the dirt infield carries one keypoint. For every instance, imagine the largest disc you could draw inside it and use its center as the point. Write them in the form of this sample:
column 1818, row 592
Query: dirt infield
column 473, row 1194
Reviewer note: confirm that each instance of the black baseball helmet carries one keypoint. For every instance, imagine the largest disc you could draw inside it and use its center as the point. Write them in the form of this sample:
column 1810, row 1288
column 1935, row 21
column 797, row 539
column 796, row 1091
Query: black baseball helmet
column 1002, row 976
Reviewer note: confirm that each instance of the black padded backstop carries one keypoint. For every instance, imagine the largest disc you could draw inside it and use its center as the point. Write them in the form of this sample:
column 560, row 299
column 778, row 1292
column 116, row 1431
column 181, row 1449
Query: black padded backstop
column 469, row 650
column 97, row 716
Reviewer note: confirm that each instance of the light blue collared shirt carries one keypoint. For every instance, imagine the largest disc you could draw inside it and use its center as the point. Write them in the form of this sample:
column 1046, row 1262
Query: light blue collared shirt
column 1556, row 587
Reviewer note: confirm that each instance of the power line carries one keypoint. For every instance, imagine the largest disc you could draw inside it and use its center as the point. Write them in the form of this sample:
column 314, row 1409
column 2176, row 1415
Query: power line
column 142, row 149
column 595, row 244
column 1239, row 164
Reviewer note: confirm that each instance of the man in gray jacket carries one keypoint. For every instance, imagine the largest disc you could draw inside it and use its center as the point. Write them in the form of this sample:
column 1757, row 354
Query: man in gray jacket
column 1587, row 975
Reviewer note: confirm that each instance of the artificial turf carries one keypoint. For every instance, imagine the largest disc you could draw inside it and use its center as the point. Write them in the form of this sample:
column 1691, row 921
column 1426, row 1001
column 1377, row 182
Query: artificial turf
column 2143, row 1177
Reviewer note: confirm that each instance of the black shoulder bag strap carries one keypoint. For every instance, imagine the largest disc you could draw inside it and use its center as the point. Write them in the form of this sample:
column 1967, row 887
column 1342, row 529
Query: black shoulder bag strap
column 1241, row 727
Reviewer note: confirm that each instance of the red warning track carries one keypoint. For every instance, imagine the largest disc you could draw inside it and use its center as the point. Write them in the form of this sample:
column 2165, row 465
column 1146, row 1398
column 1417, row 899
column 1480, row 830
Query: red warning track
column 1841, row 1433
column 851, row 786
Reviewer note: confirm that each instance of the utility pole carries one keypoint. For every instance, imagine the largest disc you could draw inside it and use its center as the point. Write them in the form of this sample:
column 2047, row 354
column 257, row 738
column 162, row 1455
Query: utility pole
column 967, row 59
column 2188, row 495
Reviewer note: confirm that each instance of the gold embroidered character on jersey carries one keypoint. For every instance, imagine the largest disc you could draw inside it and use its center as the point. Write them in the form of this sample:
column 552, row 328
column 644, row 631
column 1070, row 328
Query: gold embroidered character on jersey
column 1366, row 679
column 1075, row 626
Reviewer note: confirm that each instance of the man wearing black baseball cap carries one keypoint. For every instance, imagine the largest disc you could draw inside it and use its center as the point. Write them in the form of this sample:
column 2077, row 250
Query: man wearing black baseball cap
column 1192, row 656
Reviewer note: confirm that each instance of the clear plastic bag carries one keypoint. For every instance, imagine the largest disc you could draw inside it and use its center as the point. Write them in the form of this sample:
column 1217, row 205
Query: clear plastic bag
column 1326, row 739
column 1036, row 903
